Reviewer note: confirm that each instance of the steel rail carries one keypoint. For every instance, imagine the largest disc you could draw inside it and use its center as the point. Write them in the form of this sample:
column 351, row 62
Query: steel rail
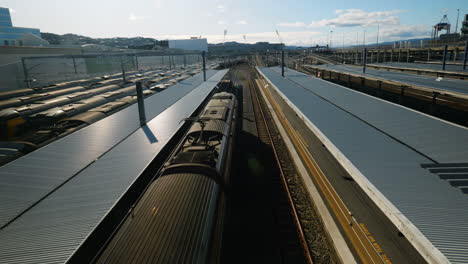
column 363, row 246
column 292, row 207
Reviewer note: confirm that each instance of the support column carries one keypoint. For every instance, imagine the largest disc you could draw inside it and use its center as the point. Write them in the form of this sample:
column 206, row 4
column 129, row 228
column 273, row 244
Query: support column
column 465, row 55
column 26, row 73
column 402, row 94
column 74, row 64
column 433, row 107
column 364, row 61
column 136, row 63
column 204, row 65
column 444, row 58
column 124, row 78
column 380, row 88
column 141, row 103
column 282, row 63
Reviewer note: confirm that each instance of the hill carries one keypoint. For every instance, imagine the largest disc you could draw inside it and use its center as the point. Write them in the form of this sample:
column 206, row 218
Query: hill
column 73, row 39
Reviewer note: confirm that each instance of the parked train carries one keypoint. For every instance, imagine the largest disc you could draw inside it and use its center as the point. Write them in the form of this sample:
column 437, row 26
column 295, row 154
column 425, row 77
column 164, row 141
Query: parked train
column 35, row 110
column 179, row 219
column 33, row 125
column 101, row 80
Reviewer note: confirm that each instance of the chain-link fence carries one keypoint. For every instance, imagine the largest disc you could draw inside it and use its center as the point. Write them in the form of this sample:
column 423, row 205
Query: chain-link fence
column 31, row 72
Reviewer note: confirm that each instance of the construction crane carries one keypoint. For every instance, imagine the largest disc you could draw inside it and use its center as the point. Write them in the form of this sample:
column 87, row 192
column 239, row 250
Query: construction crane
column 444, row 24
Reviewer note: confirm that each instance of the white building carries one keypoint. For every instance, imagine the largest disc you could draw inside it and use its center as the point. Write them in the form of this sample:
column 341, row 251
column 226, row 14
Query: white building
column 199, row 44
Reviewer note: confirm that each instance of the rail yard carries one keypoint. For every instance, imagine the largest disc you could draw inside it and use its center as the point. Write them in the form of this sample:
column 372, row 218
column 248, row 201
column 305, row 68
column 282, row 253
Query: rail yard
column 280, row 155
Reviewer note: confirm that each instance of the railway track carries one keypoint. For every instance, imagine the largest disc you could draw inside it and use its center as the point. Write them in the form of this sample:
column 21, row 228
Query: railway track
column 367, row 249
column 291, row 241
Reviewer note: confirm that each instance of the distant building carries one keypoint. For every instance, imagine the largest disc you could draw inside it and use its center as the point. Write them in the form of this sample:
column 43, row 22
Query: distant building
column 464, row 29
column 451, row 37
column 199, row 44
column 17, row 36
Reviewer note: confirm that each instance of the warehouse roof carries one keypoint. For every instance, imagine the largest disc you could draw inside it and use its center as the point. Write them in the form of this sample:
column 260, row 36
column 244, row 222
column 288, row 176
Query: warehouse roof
column 55, row 208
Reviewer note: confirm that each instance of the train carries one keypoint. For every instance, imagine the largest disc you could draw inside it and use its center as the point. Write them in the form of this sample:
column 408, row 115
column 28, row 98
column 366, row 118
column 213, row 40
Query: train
column 179, row 219
column 50, row 107
column 100, row 80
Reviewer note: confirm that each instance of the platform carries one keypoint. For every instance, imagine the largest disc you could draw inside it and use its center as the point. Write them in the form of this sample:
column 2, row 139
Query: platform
column 425, row 66
column 432, row 82
column 386, row 149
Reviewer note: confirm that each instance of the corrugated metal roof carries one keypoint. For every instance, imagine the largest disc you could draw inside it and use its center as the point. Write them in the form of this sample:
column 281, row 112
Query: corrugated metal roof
column 358, row 128
column 428, row 66
column 436, row 139
column 36, row 175
column 420, row 80
column 53, row 229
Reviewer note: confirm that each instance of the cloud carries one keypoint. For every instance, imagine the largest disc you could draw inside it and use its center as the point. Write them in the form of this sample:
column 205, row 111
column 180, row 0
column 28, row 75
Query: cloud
column 386, row 34
column 405, row 31
column 133, row 17
column 353, row 18
column 294, row 24
column 158, row 3
column 221, row 8
column 361, row 18
column 241, row 22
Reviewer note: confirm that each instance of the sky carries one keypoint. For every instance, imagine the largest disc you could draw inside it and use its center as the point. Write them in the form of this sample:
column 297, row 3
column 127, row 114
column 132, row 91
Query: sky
column 299, row 22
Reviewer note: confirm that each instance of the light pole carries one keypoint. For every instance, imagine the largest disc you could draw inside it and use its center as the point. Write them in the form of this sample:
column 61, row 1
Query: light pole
column 364, row 39
column 331, row 37
column 378, row 28
column 343, row 40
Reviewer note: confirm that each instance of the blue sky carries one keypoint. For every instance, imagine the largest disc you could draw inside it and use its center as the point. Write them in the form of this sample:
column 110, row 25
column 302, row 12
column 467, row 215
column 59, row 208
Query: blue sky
column 299, row 22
